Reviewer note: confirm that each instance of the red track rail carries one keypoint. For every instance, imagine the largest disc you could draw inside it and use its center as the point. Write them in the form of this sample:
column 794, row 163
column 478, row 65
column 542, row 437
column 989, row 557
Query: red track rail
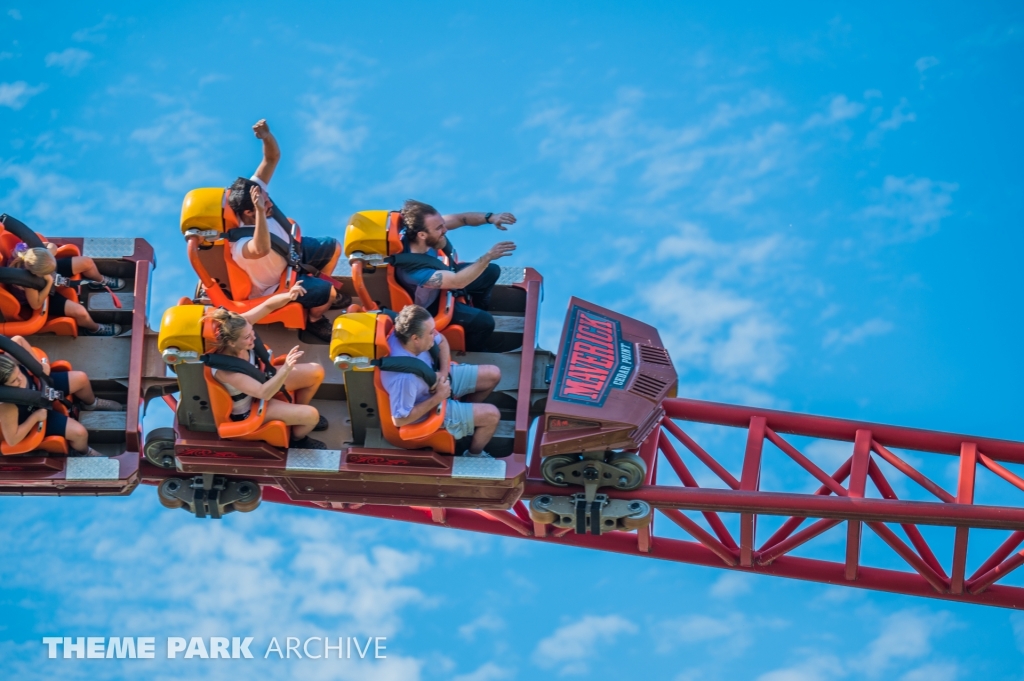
column 842, row 497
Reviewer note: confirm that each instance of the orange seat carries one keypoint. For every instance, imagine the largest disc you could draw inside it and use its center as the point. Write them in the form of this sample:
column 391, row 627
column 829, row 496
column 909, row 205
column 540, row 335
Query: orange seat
column 37, row 440
column 429, row 432
column 239, row 286
column 251, row 429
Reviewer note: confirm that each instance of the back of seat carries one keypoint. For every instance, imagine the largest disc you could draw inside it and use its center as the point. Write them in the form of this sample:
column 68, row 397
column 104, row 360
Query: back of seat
column 181, row 343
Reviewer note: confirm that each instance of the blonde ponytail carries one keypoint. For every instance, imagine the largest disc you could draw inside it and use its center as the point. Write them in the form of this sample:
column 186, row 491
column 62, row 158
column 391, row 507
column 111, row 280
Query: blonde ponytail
column 38, row 261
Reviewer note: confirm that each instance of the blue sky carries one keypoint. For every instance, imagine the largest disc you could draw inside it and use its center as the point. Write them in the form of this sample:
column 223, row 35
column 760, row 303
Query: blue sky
column 820, row 208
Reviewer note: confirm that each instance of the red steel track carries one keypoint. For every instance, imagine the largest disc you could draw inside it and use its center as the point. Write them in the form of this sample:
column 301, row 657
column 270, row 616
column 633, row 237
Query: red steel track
column 842, row 497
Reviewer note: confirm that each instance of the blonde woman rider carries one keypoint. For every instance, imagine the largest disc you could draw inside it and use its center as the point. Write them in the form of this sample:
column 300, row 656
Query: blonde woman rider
column 17, row 421
column 40, row 262
column 234, row 337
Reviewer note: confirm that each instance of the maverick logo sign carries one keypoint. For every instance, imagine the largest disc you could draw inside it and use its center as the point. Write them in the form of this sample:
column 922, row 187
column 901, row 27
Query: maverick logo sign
column 594, row 360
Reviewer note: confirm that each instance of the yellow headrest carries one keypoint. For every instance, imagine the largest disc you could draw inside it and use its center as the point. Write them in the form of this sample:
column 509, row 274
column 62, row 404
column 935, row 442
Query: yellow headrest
column 367, row 232
column 203, row 209
column 182, row 328
column 354, row 336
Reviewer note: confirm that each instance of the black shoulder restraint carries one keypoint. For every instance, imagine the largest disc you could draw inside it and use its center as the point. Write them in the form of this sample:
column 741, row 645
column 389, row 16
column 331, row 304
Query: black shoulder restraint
column 16, row 275
column 21, row 230
column 412, row 365
column 423, row 261
column 40, row 399
column 20, row 277
column 262, row 373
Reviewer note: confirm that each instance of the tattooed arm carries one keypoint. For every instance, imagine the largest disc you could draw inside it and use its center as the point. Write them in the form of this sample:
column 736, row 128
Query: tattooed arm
column 455, row 280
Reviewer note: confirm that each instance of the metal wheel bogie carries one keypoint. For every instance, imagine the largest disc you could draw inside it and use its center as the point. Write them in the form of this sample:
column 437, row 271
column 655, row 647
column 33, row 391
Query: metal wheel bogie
column 159, row 448
column 555, row 469
column 631, row 467
column 210, row 495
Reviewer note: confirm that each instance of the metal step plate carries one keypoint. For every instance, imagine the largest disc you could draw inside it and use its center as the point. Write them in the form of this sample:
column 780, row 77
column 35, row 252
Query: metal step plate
column 325, row 460
column 92, row 468
column 511, row 275
column 508, row 324
column 506, row 429
column 103, row 420
column 480, row 468
column 101, row 301
column 108, row 248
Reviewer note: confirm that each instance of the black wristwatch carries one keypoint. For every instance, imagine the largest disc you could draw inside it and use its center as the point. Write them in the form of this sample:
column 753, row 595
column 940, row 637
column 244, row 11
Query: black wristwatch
column 487, row 218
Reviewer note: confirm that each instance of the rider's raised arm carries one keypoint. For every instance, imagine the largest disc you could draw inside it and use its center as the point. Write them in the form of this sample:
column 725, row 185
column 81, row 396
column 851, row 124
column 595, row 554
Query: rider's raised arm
column 456, row 220
column 444, row 279
column 259, row 245
column 271, row 151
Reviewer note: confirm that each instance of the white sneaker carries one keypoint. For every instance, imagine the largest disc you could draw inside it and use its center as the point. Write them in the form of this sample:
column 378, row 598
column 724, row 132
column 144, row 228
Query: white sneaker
column 481, row 455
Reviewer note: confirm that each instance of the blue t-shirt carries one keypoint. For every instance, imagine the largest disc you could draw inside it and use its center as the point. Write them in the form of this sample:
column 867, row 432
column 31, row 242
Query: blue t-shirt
column 413, row 280
column 406, row 390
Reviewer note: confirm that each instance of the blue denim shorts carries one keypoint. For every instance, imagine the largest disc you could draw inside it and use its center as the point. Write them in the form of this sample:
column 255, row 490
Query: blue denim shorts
column 458, row 419
column 458, row 416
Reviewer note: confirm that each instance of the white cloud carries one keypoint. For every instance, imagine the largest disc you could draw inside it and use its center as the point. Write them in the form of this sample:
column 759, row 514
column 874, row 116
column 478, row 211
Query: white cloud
column 6, row 55
column 922, row 65
column 852, row 336
column 14, row 14
column 1017, row 622
column 839, row 109
column 418, row 171
column 895, row 121
column 828, row 455
column 278, row 572
column 735, row 632
column 486, row 672
column 333, row 137
column 573, row 646
column 15, row 95
column 730, row 585
column 694, row 629
column 925, row 63
column 906, row 635
column 814, row 668
column 598, row 150
column 934, row 671
column 485, row 622
column 93, row 34
column 909, row 208
column 184, row 146
column 71, row 60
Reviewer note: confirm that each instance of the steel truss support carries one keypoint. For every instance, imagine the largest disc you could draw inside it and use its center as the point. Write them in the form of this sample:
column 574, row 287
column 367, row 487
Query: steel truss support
column 857, row 493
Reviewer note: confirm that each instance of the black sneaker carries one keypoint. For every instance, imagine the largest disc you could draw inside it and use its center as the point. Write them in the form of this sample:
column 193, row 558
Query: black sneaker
column 104, row 330
column 342, row 301
column 113, row 283
column 321, row 329
column 307, row 443
column 321, row 424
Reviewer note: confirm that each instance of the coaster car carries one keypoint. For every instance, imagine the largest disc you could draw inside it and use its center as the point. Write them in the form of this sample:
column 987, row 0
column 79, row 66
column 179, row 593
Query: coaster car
column 373, row 237
column 206, row 223
column 210, row 471
column 117, row 367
